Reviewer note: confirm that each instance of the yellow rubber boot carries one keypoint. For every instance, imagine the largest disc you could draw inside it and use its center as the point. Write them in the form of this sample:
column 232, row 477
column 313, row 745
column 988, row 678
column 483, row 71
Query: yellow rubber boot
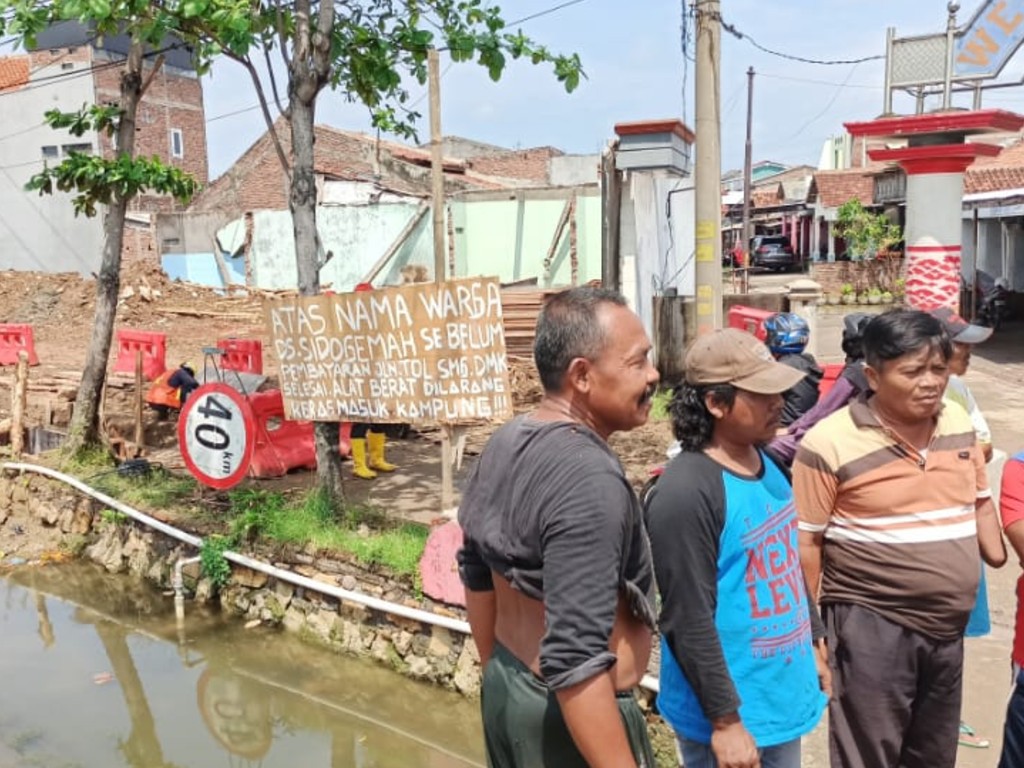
column 376, row 441
column 359, row 468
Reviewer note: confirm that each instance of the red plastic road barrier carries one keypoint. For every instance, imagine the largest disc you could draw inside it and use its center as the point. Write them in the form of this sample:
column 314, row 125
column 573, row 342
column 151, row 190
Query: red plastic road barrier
column 14, row 339
column 281, row 445
column 749, row 319
column 831, row 371
column 244, row 355
column 154, row 352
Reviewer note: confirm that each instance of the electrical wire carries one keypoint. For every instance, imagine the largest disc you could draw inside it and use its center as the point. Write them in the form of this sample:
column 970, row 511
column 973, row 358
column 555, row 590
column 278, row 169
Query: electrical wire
column 242, row 111
column 31, row 128
column 821, row 82
column 739, row 35
column 685, row 43
column 733, row 101
column 828, row 106
column 550, row 10
column 419, row 99
column 41, row 82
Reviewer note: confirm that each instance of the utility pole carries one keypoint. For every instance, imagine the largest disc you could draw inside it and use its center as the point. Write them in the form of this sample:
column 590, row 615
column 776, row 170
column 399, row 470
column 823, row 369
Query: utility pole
column 708, row 173
column 437, row 195
column 748, row 172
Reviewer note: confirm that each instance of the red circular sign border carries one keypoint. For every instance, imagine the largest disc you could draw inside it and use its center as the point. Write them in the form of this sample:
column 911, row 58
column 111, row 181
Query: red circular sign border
column 248, row 420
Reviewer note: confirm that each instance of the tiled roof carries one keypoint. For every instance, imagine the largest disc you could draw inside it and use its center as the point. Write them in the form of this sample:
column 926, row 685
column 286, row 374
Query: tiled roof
column 993, row 179
column 833, row 188
column 994, row 174
column 768, row 197
column 256, row 180
column 13, row 72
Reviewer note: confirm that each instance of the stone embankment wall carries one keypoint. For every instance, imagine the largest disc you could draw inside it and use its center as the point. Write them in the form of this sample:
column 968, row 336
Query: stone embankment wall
column 39, row 515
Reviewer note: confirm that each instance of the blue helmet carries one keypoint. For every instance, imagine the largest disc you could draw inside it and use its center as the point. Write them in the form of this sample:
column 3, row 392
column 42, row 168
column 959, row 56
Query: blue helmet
column 786, row 333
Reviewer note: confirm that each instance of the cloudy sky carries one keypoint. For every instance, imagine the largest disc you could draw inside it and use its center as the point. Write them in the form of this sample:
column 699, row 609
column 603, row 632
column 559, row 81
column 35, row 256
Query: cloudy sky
column 633, row 56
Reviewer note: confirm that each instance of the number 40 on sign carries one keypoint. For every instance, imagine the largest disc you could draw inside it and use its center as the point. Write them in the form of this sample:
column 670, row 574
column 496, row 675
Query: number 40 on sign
column 216, row 434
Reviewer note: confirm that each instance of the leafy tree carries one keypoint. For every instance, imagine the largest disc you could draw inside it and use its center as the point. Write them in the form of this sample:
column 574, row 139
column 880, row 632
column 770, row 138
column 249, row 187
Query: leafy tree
column 866, row 234
column 95, row 180
column 369, row 51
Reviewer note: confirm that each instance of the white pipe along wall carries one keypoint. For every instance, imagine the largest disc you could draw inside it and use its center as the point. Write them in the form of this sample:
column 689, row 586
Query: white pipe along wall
column 415, row 614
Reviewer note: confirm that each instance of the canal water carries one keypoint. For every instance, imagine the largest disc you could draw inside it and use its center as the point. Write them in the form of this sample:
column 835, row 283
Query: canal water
column 94, row 673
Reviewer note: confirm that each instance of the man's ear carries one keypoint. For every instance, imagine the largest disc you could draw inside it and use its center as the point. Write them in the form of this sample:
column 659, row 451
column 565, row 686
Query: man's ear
column 715, row 407
column 577, row 377
column 872, row 376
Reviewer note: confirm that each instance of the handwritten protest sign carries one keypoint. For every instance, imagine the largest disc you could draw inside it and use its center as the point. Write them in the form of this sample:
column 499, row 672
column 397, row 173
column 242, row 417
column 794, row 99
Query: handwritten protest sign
column 420, row 353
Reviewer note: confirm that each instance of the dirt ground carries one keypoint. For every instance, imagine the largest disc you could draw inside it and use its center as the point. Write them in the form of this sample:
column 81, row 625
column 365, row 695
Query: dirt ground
column 60, row 309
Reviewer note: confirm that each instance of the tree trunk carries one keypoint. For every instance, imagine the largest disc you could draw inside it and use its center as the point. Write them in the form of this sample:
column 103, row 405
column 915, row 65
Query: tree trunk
column 85, row 423
column 302, row 202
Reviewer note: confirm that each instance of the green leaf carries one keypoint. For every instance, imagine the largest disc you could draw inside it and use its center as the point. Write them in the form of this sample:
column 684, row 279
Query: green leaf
column 99, row 9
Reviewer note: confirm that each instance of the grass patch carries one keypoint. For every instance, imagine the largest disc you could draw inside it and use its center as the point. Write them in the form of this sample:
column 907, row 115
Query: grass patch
column 251, row 515
column 660, row 405
column 87, row 460
column 364, row 532
column 157, row 489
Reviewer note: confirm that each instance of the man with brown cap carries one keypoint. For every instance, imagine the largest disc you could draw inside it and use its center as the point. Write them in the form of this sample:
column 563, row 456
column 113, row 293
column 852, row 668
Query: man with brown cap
column 741, row 680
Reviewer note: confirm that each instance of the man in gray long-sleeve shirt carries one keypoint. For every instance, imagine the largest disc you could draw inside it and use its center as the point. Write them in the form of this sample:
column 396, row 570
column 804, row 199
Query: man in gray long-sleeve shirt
column 556, row 563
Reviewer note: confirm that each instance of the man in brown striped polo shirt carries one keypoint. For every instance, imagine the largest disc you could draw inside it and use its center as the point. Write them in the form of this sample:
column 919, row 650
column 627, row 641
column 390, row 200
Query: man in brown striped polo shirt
column 894, row 505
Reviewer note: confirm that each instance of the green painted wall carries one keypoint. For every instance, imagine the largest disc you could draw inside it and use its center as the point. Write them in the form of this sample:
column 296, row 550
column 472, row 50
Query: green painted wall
column 511, row 238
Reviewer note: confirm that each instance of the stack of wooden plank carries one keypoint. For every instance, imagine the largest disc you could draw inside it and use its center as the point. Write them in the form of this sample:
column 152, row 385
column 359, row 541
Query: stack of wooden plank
column 520, row 308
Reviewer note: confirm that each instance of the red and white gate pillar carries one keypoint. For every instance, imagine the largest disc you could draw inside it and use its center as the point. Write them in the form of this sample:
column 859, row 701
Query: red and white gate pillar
column 935, row 158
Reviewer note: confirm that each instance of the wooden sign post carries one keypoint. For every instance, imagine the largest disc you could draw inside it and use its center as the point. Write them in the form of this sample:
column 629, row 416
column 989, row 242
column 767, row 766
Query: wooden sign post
column 18, row 403
column 437, row 203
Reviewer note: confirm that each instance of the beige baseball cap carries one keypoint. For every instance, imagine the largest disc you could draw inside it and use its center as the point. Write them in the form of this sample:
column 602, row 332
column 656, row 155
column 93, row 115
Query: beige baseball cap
column 732, row 356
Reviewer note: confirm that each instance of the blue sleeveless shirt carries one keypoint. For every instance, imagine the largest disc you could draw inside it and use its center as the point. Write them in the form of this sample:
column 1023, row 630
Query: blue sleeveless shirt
column 761, row 613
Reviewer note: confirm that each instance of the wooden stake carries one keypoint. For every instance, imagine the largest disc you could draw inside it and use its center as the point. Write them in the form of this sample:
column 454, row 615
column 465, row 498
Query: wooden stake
column 138, row 398
column 18, row 402
column 437, row 187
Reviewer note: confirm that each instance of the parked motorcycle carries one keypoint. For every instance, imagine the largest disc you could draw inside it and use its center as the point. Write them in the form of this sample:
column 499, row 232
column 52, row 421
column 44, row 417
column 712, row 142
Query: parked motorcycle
column 992, row 297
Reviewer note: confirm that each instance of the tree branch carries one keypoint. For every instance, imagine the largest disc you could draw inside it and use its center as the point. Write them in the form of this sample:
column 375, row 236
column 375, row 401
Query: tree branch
column 246, row 62
column 282, row 38
column 300, row 58
column 273, row 80
column 159, row 62
column 322, row 43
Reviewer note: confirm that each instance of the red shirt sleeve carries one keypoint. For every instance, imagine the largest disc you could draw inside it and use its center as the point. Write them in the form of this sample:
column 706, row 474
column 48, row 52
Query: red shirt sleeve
column 1011, row 495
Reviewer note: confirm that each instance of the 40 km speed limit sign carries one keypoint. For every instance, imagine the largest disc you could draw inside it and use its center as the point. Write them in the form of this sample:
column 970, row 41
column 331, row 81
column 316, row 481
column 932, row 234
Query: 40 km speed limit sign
column 216, row 434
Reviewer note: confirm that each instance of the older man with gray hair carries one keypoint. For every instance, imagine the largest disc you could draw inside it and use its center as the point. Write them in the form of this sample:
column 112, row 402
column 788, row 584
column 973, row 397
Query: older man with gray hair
column 558, row 574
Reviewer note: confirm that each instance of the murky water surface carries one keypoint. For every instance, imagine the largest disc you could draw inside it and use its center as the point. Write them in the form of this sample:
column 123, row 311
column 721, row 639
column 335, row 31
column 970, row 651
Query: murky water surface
column 94, row 673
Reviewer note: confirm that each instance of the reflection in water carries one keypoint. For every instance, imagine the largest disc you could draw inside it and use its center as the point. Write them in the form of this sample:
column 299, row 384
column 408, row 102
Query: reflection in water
column 221, row 695
column 236, row 713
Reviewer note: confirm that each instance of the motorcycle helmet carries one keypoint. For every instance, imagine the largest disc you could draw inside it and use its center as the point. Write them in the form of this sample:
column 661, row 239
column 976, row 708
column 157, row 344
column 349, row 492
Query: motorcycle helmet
column 853, row 333
column 786, row 333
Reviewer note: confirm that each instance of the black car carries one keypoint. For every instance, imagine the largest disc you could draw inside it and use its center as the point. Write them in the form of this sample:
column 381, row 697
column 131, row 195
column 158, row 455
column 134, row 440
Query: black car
column 772, row 252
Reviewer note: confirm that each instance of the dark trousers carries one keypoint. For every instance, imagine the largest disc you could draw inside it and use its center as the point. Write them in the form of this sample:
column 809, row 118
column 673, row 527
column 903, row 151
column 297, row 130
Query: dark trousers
column 523, row 724
column 896, row 693
column 1013, row 731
